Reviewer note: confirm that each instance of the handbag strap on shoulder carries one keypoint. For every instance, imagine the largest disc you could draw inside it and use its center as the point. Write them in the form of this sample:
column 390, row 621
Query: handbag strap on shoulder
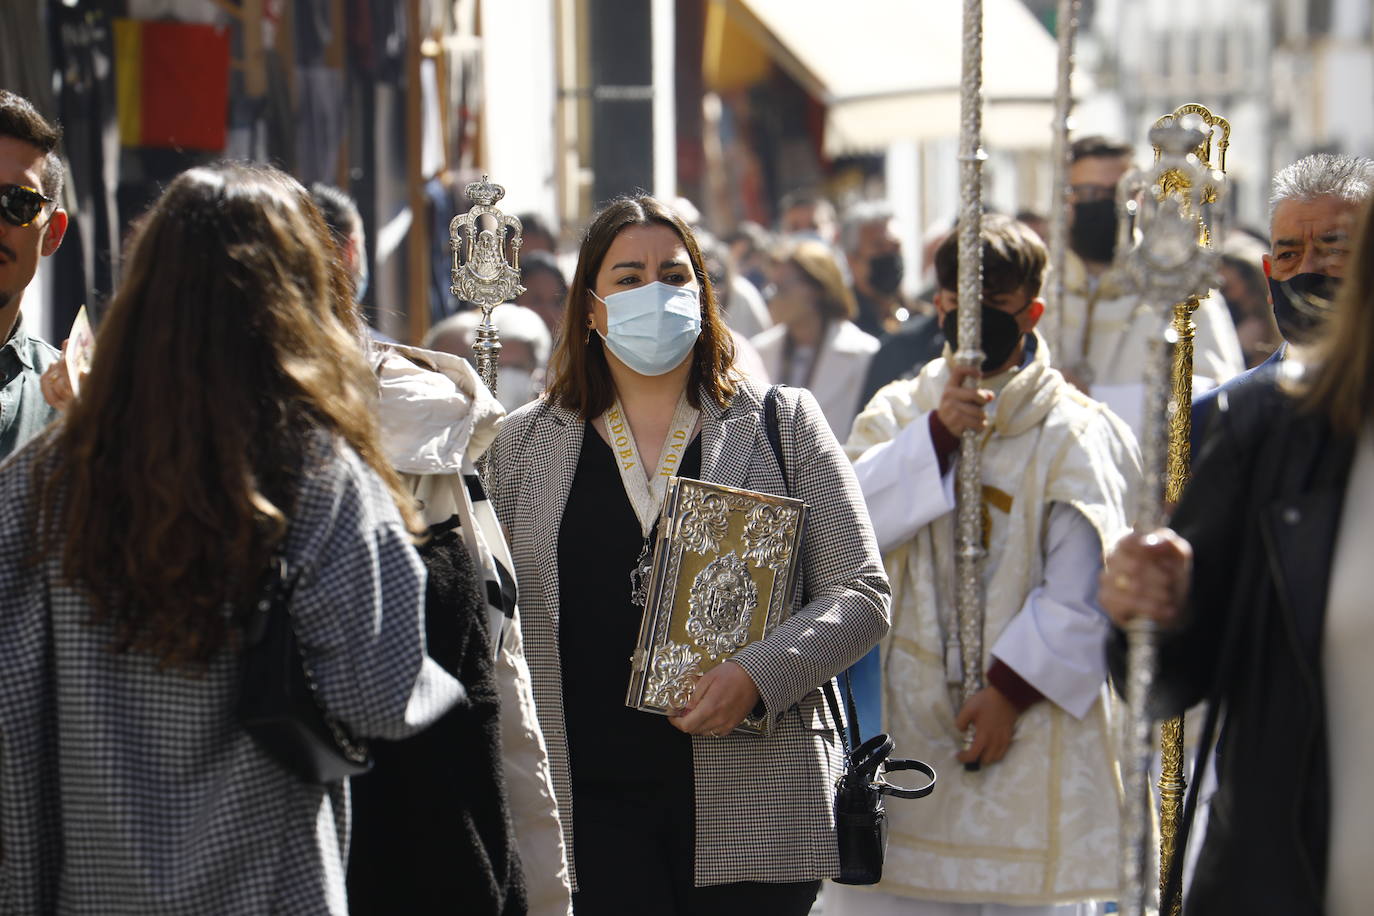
column 773, row 432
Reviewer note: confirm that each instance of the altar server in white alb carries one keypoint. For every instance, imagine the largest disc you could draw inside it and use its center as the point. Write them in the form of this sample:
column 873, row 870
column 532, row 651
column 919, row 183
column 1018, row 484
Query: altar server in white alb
column 1034, row 830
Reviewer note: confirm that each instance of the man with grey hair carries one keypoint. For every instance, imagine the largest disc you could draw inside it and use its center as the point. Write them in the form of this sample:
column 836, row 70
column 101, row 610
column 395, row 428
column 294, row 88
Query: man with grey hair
column 875, row 266
column 1313, row 204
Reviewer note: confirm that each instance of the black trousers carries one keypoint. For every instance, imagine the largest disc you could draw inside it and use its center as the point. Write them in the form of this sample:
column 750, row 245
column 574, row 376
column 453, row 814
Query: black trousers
column 633, row 849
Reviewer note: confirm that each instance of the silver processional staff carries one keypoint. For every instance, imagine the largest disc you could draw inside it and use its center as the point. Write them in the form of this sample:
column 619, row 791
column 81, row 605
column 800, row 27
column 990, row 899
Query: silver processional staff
column 967, row 635
column 481, row 273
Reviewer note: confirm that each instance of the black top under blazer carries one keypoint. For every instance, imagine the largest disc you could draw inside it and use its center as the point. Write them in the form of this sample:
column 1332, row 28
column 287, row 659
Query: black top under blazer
column 763, row 804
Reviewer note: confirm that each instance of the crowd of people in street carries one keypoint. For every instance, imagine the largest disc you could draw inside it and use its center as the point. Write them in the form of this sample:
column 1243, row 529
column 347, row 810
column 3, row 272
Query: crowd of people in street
column 242, row 444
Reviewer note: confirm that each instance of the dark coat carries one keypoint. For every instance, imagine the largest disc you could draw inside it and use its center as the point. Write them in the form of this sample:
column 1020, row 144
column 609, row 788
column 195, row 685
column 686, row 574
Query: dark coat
column 431, row 824
column 903, row 353
column 1205, row 404
column 1262, row 513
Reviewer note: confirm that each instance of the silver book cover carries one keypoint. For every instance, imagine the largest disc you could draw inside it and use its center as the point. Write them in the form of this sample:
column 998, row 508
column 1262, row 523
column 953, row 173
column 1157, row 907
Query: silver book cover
column 723, row 576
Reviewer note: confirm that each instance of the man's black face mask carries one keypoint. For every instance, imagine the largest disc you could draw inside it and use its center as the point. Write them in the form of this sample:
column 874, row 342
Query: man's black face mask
column 1001, row 334
column 1302, row 304
column 1093, row 235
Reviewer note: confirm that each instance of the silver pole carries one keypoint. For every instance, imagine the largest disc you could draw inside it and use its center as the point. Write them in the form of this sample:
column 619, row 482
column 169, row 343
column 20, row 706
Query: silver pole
column 1136, row 843
column 969, row 538
column 481, row 273
column 1066, row 27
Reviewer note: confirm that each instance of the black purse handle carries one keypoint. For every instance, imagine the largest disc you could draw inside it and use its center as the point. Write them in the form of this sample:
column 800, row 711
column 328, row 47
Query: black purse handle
column 873, row 754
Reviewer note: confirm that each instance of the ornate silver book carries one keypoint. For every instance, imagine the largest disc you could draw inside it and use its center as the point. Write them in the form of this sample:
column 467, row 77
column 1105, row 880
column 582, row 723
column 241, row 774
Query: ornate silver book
column 724, row 571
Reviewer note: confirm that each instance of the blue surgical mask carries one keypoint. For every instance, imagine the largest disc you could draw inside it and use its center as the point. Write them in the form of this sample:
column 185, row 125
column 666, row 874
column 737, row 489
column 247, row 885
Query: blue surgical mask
column 652, row 328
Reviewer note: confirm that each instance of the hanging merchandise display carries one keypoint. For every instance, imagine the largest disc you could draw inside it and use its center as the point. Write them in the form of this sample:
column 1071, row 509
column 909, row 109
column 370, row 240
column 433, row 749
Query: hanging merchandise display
column 172, row 84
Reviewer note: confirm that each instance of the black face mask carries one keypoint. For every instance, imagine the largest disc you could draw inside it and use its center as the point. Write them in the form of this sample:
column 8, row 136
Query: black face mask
column 1093, row 235
column 1302, row 304
column 1001, row 334
column 885, row 272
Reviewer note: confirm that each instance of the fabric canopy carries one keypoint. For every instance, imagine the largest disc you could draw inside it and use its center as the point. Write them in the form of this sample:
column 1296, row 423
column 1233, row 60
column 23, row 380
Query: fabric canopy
column 889, row 70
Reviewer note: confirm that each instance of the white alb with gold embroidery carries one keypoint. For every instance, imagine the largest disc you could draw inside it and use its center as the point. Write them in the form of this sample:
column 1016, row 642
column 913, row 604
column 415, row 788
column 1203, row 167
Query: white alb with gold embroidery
column 1040, row 826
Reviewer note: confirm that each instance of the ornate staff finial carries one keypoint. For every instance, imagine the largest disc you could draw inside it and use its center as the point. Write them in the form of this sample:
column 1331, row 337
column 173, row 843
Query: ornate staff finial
column 484, row 193
column 481, row 274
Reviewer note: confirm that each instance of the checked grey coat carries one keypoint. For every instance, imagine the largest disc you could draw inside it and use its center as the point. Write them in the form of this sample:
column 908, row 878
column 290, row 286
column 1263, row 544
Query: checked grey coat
column 763, row 804
column 129, row 789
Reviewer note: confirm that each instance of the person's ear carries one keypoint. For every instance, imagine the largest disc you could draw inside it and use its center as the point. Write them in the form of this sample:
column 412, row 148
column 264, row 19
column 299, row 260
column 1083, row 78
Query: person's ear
column 944, row 300
column 54, row 231
column 353, row 253
column 1267, row 262
column 1033, row 313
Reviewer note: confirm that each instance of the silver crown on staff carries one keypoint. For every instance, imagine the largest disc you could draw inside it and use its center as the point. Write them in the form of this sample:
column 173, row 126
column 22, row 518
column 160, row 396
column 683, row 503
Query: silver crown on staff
column 481, row 274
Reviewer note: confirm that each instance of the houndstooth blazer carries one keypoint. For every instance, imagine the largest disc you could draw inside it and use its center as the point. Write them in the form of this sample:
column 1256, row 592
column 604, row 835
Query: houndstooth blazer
column 763, row 804
column 129, row 789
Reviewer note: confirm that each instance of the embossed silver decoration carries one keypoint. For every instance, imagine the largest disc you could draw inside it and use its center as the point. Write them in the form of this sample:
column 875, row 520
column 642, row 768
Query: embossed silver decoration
column 705, row 521
column 969, row 491
column 768, row 531
column 1158, row 258
column 481, row 274
column 639, row 576
column 1160, row 261
column 722, row 599
column 724, row 572
column 673, row 676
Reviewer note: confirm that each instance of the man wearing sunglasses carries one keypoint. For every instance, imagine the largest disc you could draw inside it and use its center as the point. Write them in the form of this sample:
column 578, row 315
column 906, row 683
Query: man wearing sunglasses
column 31, row 226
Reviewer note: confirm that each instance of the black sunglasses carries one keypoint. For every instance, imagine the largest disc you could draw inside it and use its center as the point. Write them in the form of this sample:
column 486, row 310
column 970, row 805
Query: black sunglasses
column 20, row 205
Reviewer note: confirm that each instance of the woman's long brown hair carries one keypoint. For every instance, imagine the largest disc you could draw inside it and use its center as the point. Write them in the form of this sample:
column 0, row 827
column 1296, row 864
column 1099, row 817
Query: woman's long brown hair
column 581, row 377
column 1340, row 378
column 219, row 362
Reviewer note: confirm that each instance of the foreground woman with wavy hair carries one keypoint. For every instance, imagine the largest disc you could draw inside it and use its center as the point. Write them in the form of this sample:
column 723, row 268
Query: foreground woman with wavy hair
column 227, row 417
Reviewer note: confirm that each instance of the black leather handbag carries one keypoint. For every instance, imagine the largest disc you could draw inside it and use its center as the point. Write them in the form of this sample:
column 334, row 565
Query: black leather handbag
column 860, row 821
column 279, row 703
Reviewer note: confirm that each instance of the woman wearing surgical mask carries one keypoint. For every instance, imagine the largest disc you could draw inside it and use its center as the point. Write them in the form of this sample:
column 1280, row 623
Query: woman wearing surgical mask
column 676, row 814
column 815, row 344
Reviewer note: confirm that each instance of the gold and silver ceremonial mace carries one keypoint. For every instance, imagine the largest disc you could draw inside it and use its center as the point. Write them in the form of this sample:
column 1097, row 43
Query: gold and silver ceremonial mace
column 967, row 637
column 1172, row 781
column 481, row 273
column 1159, row 261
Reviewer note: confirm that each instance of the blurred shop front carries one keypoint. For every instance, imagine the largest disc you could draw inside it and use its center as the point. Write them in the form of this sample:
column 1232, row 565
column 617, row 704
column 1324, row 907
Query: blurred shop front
column 862, row 101
column 729, row 103
column 398, row 102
